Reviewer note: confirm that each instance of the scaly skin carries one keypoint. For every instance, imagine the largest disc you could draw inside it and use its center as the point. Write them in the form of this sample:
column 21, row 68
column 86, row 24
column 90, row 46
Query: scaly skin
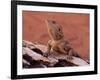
column 57, row 42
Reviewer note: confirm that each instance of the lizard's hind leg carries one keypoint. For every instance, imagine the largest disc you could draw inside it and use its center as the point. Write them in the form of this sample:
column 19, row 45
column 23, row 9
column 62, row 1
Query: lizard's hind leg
column 70, row 55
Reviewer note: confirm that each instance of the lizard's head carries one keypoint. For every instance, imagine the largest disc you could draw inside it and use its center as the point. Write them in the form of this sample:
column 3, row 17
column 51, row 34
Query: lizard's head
column 54, row 29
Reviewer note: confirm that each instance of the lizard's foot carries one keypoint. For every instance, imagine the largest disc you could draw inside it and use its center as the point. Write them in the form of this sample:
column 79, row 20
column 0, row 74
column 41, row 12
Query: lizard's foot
column 69, row 57
column 46, row 54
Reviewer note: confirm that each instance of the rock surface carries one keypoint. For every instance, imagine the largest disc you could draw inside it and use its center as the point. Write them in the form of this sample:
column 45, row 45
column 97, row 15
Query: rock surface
column 33, row 57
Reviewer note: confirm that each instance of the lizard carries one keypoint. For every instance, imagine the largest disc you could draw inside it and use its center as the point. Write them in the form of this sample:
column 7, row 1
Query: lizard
column 58, row 42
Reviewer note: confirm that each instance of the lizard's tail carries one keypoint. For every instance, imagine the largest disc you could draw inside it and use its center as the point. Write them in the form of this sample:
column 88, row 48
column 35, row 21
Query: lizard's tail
column 79, row 56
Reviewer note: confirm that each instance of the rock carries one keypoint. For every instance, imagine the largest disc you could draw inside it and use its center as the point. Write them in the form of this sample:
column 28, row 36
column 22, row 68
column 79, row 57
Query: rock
column 33, row 57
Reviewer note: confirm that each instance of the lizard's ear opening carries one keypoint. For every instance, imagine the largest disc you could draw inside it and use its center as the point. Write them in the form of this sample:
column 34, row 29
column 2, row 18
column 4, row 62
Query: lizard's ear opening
column 59, row 29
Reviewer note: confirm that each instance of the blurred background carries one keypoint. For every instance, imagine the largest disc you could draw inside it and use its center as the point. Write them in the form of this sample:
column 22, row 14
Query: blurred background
column 75, row 28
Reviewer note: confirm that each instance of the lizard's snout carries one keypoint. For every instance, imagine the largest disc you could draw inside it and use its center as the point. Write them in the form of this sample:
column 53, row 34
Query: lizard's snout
column 51, row 24
column 48, row 21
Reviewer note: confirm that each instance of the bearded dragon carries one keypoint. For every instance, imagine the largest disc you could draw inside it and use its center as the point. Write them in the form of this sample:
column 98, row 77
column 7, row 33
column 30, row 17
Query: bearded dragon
column 58, row 42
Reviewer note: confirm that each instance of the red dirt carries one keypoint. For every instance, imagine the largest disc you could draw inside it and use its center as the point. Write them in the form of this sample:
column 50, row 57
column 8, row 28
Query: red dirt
column 75, row 28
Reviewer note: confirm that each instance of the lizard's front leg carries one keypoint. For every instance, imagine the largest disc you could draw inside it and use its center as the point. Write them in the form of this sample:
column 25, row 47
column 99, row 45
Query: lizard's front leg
column 48, row 49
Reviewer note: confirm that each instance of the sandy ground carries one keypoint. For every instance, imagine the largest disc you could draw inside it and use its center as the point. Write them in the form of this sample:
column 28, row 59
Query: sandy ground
column 75, row 28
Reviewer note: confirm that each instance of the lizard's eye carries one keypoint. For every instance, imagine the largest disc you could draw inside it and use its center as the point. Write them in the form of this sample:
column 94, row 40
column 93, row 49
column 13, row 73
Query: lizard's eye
column 53, row 22
column 59, row 29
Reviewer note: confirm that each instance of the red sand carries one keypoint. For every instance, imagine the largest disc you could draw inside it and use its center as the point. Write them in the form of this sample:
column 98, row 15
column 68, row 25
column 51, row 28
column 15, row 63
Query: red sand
column 75, row 28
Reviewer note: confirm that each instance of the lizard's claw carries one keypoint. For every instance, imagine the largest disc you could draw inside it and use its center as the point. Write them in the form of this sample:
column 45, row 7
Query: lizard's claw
column 45, row 54
column 69, row 57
